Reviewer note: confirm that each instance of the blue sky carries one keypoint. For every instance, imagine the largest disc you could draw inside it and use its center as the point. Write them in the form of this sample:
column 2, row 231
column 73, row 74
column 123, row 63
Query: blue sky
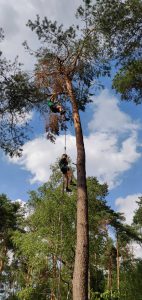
column 112, row 129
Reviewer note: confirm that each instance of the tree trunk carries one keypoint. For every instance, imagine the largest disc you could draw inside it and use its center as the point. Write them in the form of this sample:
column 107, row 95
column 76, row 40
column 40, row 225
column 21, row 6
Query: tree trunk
column 110, row 274
column 80, row 276
column 54, row 262
column 118, row 263
column 1, row 265
column 4, row 253
column 89, row 284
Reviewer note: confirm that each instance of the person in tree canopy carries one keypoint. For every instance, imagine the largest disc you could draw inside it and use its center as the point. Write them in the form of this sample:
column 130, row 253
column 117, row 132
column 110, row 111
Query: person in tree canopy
column 56, row 107
column 67, row 172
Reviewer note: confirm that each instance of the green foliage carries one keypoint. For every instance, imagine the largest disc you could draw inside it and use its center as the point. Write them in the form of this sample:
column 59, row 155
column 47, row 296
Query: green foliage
column 18, row 96
column 16, row 92
column 27, row 294
column 131, row 280
column 13, row 297
column 49, row 242
column 50, row 239
column 107, row 295
column 109, row 30
column 138, row 213
column 137, row 219
column 43, row 244
column 128, row 81
column 8, row 219
column 120, row 22
column 75, row 52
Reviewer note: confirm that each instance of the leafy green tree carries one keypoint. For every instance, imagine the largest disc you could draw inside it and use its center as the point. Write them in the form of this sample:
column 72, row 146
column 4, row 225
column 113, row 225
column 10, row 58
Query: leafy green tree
column 137, row 219
column 131, row 279
column 45, row 252
column 17, row 96
column 121, row 24
column 9, row 222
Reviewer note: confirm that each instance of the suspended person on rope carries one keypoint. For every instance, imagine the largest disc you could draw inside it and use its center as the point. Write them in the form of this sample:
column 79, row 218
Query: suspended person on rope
column 67, row 172
column 56, row 107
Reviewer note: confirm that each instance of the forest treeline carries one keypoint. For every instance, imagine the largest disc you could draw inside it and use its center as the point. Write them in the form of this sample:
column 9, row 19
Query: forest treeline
column 37, row 245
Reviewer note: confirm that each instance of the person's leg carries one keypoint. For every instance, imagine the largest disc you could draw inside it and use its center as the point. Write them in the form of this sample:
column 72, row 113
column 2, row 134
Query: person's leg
column 67, row 172
column 67, row 182
column 62, row 112
column 70, row 177
column 59, row 107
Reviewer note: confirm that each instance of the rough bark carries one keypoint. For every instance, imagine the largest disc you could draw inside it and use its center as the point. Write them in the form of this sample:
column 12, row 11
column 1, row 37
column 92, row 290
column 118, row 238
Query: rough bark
column 2, row 259
column 80, row 276
column 1, row 265
column 118, row 265
column 110, row 274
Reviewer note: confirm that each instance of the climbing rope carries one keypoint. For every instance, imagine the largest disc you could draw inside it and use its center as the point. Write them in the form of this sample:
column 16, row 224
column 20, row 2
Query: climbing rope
column 65, row 147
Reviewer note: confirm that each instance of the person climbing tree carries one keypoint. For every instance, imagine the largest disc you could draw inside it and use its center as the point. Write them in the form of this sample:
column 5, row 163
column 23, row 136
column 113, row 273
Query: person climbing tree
column 56, row 107
column 67, row 172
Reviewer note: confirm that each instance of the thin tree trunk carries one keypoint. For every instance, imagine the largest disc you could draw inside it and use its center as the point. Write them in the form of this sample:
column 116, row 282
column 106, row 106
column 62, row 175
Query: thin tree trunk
column 1, row 265
column 89, row 284
column 54, row 261
column 118, row 263
column 80, row 276
column 108, row 280
column 4, row 253
column 110, row 274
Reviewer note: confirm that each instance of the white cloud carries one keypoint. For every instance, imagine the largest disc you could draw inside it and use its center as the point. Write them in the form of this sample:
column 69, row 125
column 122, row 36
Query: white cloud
column 107, row 159
column 136, row 250
column 14, row 16
column 109, row 152
column 108, row 117
column 9, row 18
column 39, row 154
column 128, row 205
column 21, row 202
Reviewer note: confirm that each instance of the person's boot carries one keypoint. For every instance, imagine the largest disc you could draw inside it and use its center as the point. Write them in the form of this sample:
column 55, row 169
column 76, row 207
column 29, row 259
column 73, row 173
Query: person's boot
column 68, row 190
column 67, row 119
column 72, row 183
column 62, row 112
